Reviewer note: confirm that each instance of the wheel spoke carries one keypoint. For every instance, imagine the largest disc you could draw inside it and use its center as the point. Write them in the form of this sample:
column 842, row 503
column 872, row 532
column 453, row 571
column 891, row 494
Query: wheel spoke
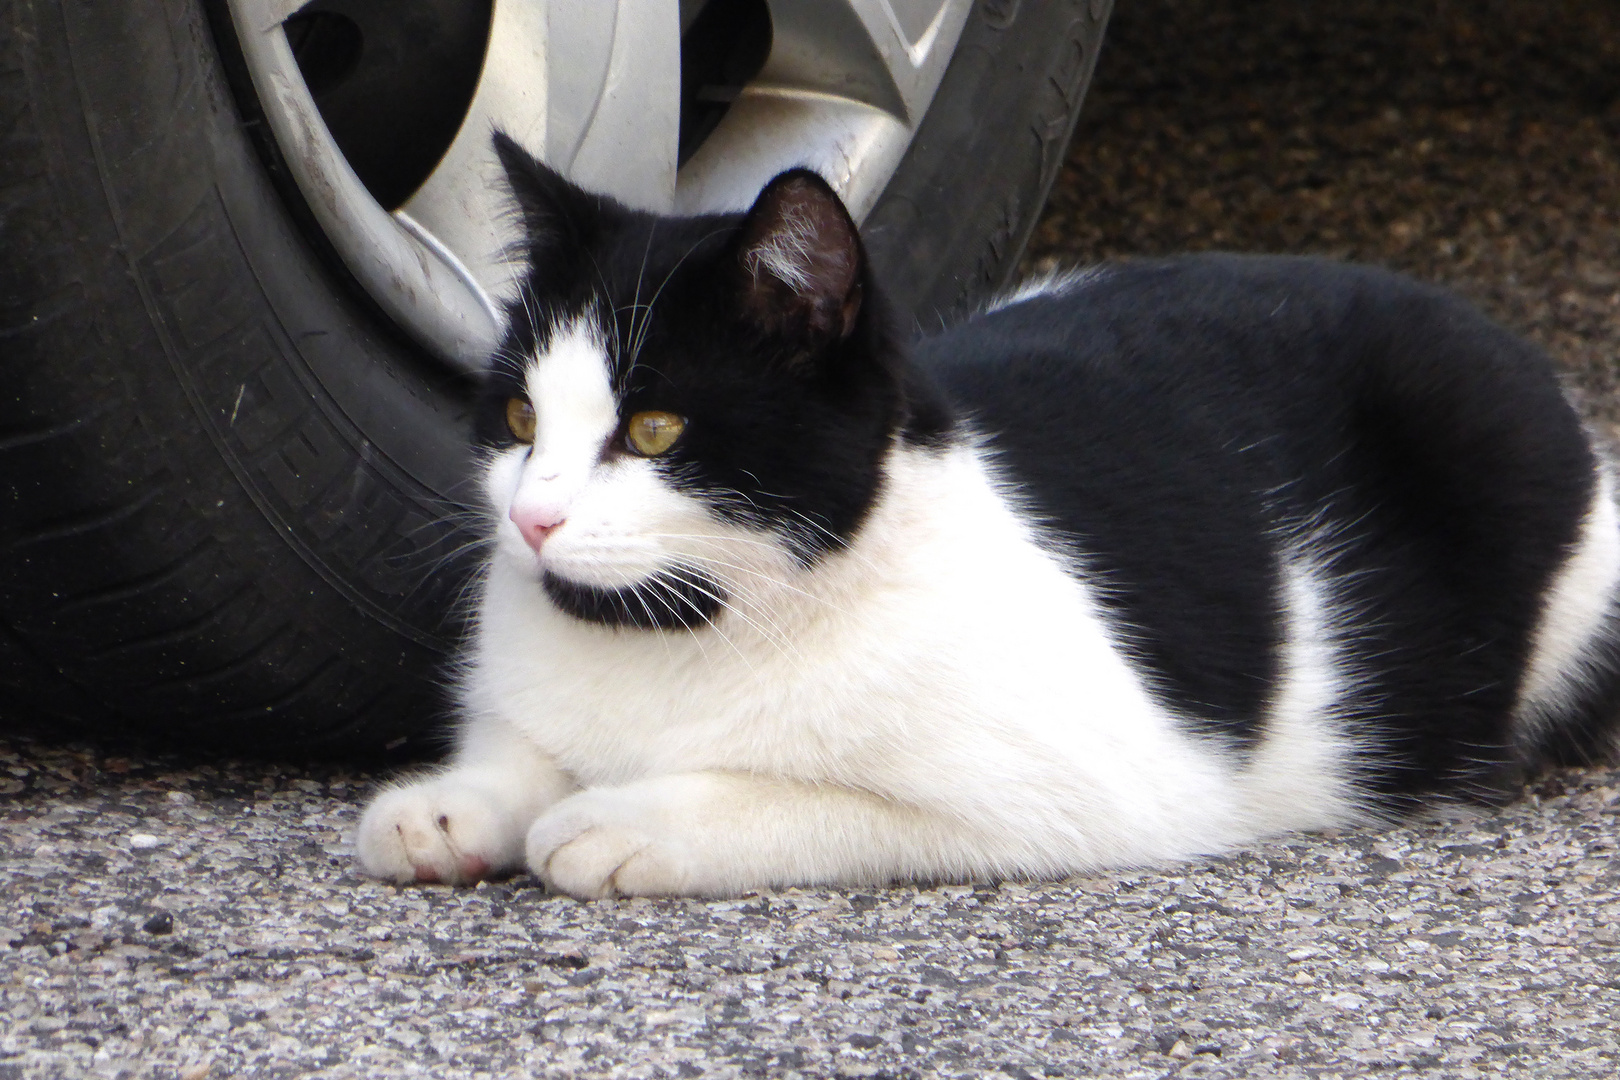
column 842, row 91
column 613, row 125
column 262, row 16
column 592, row 89
column 423, row 288
column 875, row 52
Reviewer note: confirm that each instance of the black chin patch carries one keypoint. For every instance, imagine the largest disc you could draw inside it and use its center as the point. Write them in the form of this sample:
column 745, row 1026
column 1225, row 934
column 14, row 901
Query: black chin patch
column 676, row 599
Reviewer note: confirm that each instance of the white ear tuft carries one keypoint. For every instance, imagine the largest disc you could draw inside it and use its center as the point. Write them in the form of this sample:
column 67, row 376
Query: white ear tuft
column 787, row 252
column 801, row 257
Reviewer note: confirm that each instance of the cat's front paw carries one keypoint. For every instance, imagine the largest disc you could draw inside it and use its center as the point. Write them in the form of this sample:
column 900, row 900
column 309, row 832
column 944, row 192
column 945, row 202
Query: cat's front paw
column 436, row 830
column 607, row 842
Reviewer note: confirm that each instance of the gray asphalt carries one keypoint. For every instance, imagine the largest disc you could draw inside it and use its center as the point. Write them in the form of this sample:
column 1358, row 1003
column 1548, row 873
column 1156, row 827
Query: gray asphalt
column 170, row 920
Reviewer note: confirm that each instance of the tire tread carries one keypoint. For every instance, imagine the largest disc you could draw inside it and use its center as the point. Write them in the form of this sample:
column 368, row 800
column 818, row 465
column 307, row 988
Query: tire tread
column 143, row 593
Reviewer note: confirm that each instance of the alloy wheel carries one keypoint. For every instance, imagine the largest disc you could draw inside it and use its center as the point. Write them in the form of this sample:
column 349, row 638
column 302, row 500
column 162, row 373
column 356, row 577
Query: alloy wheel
column 383, row 114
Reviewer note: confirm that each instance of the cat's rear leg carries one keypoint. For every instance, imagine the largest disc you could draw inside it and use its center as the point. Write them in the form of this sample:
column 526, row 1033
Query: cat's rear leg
column 719, row 834
column 465, row 822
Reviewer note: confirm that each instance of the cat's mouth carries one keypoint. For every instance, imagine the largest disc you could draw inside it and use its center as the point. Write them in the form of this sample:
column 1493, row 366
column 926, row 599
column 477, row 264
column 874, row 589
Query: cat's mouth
column 674, row 598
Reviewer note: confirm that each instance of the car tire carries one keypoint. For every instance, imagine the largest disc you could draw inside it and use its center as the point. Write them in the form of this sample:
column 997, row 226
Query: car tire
column 233, row 492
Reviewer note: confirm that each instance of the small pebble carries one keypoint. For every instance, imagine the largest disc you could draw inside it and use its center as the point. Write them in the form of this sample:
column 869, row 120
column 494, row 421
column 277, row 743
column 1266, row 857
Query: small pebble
column 142, row 841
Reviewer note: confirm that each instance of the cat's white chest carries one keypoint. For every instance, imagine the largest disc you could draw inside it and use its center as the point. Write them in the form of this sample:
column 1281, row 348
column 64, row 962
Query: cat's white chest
column 614, row 705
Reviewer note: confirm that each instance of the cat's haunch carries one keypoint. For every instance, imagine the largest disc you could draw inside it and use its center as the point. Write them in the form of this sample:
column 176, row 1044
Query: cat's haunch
column 1140, row 564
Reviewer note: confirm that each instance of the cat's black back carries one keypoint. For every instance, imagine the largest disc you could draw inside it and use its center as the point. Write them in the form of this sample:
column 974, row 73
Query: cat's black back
column 1181, row 421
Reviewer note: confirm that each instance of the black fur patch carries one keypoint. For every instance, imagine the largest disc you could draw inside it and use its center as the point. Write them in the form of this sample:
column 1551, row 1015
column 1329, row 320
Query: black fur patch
column 680, row 598
column 1174, row 418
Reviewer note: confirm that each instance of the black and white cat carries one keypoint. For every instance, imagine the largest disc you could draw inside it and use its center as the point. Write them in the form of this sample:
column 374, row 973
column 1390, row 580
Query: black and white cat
column 1142, row 563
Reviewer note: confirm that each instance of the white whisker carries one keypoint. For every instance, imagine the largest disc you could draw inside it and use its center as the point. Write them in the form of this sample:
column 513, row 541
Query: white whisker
column 772, row 634
column 706, row 620
column 709, row 560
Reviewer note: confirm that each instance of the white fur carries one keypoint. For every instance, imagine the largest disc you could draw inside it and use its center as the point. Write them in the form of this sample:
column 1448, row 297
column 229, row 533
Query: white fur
column 1301, row 775
column 882, row 715
column 786, row 254
column 1576, row 614
column 1052, row 283
column 575, row 414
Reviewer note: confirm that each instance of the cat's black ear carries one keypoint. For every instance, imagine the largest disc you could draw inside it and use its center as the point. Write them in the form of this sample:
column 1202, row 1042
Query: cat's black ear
column 560, row 220
column 801, row 258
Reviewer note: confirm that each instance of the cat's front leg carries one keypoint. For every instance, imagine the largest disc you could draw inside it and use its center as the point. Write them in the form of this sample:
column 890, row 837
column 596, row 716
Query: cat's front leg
column 467, row 821
column 718, row 834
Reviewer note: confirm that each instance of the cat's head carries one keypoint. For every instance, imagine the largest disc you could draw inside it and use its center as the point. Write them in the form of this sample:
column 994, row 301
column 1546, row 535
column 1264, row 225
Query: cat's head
column 684, row 406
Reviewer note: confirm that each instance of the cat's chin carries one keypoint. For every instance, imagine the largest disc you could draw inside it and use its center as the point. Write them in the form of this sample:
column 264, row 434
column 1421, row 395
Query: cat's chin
column 682, row 600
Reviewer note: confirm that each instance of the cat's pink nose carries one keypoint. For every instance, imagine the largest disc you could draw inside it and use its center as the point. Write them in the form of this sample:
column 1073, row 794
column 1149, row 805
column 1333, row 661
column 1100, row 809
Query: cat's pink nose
column 536, row 524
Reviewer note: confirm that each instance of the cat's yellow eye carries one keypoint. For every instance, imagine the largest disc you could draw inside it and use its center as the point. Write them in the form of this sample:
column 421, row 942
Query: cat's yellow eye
column 652, row 433
column 520, row 419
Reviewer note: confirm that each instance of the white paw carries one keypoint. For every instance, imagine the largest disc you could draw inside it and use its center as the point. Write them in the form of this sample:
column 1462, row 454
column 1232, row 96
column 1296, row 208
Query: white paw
column 610, row 842
column 436, row 830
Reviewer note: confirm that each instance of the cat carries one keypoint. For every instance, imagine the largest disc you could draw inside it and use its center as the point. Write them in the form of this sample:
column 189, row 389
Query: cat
column 1139, row 564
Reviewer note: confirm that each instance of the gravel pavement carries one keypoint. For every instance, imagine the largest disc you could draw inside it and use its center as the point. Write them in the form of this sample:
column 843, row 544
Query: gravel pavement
column 171, row 919
column 190, row 922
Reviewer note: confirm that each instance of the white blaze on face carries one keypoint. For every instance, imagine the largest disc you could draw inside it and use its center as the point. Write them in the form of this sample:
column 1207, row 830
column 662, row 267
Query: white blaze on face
column 575, row 414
